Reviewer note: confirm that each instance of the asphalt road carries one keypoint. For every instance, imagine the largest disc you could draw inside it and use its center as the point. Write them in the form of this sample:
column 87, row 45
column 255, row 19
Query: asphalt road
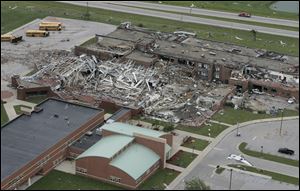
column 185, row 18
column 206, row 12
column 266, row 134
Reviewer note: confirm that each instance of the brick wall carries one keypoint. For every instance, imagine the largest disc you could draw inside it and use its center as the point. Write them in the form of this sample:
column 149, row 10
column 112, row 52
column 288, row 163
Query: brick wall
column 59, row 150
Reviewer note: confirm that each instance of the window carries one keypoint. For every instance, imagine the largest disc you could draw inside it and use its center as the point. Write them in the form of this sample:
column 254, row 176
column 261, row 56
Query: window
column 205, row 66
column 115, row 179
column 81, row 170
column 217, row 75
column 217, row 68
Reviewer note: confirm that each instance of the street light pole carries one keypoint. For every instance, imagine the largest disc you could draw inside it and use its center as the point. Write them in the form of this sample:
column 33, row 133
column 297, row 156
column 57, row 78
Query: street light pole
column 281, row 121
column 230, row 179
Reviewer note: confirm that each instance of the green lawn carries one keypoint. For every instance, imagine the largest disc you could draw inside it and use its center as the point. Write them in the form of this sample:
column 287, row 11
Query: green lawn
column 258, row 8
column 232, row 116
column 157, row 180
column 36, row 99
column 267, row 156
column 90, row 41
column 215, row 129
column 57, row 180
column 274, row 175
column 198, row 144
column 229, row 20
column 4, row 117
column 182, row 159
column 18, row 108
column 27, row 11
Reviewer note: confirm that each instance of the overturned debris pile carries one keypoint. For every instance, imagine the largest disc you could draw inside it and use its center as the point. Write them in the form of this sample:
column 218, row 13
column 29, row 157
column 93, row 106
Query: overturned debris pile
column 164, row 91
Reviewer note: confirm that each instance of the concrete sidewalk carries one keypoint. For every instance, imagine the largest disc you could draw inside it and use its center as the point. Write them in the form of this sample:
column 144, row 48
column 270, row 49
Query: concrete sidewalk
column 186, row 149
column 193, row 135
column 218, row 122
column 174, row 167
column 10, row 110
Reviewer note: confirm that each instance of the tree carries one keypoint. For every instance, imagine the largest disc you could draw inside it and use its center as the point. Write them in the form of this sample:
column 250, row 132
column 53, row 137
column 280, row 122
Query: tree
column 254, row 34
column 196, row 184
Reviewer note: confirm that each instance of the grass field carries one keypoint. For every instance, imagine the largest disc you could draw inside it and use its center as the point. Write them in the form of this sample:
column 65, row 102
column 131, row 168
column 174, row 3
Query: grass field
column 198, row 144
column 27, row 11
column 4, row 117
column 57, row 180
column 157, row 180
column 215, row 129
column 18, row 108
column 36, row 99
column 267, row 156
column 230, row 20
column 232, row 116
column 258, row 8
column 274, row 175
column 182, row 159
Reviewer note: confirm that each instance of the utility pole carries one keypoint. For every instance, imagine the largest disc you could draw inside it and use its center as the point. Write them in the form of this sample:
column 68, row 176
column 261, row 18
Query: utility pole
column 237, row 130
column 87, row 14
column 230, row 179
column 281, row 121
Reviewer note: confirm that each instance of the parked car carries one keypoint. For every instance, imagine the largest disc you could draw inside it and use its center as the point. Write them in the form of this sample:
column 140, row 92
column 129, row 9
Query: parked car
column 291, row 100
column 286, row 151
column 244, row 14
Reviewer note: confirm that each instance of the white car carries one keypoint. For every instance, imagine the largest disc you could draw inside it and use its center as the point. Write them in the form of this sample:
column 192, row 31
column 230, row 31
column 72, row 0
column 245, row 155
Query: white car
column 256, row 91
column 291, row 100
column 239, row 158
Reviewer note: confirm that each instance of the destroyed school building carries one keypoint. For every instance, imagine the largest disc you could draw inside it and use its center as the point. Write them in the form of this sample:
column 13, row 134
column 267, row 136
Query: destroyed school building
column 172, row 76
column 212, row 61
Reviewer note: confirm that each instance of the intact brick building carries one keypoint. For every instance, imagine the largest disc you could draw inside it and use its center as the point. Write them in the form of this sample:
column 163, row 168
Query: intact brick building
column 126, row 155
column 35, row 143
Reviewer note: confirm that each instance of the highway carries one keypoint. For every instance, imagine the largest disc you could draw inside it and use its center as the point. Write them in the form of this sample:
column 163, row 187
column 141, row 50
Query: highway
column 185, row 18
column 198, row 11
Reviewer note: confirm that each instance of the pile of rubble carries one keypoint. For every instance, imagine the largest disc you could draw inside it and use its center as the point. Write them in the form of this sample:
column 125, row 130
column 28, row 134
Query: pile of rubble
column 164, row 91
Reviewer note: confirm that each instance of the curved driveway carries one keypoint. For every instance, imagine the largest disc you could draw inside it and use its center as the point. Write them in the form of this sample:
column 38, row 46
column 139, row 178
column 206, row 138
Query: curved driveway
column 184, row 18
column 266, row 134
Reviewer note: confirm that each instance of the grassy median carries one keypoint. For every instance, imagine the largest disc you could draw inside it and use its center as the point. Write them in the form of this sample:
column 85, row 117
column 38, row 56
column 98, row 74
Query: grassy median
column 267, row 156
column 258, row 8
column 28, row 11
column 274, row 175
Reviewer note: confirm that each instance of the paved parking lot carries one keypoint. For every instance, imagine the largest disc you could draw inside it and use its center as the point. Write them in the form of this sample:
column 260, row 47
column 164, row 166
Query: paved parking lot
column 255, row 135
column 20, row 58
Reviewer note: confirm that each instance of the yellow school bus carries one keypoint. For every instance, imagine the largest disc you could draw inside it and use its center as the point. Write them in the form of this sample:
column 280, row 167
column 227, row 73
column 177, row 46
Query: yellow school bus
column 50, row 26
column 10, row 38
column 37, row 33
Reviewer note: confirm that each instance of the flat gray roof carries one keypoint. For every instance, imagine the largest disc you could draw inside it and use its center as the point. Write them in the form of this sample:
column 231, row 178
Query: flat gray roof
column 26, row 137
